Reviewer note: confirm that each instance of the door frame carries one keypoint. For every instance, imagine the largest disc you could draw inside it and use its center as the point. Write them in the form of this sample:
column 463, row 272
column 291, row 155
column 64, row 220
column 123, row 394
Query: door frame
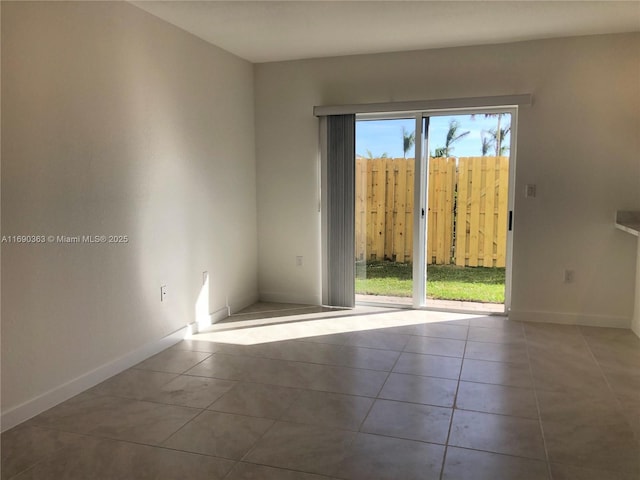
column 421, row 188
column 421, row 193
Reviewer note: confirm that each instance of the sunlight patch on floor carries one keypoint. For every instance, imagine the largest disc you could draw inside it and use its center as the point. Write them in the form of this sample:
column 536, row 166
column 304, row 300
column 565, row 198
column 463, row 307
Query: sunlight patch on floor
column 275, row 329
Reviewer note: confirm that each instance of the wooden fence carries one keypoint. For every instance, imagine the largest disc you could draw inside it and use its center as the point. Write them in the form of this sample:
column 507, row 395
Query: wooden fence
column 467, row 217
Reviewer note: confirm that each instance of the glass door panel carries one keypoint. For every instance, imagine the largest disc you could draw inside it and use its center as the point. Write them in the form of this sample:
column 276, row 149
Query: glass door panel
column 384, row 210
column 468, row 209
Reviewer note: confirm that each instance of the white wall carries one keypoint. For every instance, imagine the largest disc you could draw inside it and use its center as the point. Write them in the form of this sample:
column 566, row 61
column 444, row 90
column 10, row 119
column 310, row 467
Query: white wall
column 579, row 143
column 114, row 122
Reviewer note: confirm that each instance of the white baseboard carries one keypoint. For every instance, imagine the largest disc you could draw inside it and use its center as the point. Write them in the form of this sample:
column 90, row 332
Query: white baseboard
column 288, row 297
column 218, row 315
column 53, row 397
column 221, row 314
column 241, row 303
column 587, row 320
column 635, row 325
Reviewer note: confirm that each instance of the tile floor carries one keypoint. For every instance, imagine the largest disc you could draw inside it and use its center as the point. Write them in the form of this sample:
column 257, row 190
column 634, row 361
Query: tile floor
column 294, row 393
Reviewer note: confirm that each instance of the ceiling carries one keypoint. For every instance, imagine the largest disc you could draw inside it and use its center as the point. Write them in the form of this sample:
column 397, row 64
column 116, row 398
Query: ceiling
column 268, row 31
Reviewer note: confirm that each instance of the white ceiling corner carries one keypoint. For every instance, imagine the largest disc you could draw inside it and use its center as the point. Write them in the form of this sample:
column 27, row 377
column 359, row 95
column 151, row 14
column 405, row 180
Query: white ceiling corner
column 268, row 31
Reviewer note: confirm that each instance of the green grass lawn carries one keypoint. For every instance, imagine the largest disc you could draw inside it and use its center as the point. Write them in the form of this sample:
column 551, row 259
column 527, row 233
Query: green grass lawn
column 444, row 282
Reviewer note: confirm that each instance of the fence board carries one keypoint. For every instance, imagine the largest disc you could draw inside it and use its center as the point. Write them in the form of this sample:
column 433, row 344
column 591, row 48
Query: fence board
column 389, row 181
column 379, row 193
column 474, row 214
column 462, row 224
column 501, row 237
column 431, row 225
column 467, row 215
column 441, row 191
column 399, row 214
column 489, row 249
column 408, row 219
column 450, row 175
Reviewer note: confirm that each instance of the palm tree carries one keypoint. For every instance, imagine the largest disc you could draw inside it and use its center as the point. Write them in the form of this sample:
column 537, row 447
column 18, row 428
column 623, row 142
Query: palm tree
column 408, row 139
column 452, row 137
column 498, row 134
column 487, row 143
column 369, row 155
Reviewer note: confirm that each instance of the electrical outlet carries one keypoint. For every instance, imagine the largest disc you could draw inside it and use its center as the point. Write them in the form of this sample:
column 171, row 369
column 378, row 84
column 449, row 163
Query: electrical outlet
column 569, row 276
column 299, row 261
column 530, row 190
column 163, row 292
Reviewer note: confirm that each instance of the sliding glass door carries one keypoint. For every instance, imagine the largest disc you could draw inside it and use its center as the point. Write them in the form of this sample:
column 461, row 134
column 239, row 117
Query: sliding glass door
column 434, row 208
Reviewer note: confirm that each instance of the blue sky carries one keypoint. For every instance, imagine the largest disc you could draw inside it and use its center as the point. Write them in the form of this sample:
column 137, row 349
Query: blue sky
column 380, row 136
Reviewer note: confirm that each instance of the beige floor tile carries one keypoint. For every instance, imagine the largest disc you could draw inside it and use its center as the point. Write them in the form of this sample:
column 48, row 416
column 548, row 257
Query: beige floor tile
column 617, row 362
column 249, row 471
column 257, row 400
column 448, row 318
column 615, row 337
column 252, row 350
column 606, row 447
column 24, row 446
column 495, row 321
column 568, row 472
column 438, row 330
column 575, row 408
column 577, row 374
column 429, row 365
column 188, row 391
column 442, row 330
column 484, row 397
column 329, row 338
column 373, row 457
column 275, row 401
column 173, row 361
column 631, row 410
column 499, row 373
column 496, row 335
column 331, row 410
column 219, row 434
column 551, row 332
column 351, row 381
column 305, row 448
column 369, row 358
column 559, row 352
column 103, row 459
column 225, row 366
column 378, row 339
column 197, row 345
column 416, row 389
column 435, row 346
column 509, row 353
column 627, row 384
column 463, row 464
column 134, row 383
column 285, row 373
column 275, row 308
column 497, row 433
column 300, row 351
column 117, row 418
column 425, row 423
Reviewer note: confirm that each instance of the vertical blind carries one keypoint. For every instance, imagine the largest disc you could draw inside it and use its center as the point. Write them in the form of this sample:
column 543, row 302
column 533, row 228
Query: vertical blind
column 340, row 188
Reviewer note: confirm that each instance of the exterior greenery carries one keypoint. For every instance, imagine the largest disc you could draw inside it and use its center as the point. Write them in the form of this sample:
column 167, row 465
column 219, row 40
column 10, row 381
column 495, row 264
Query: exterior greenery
column 444, row 282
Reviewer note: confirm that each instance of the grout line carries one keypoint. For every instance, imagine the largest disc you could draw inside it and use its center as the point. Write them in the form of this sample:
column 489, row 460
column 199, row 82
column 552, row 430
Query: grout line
column 636, row 433
column 377, row 397
column 535, row 394
column 453, row 408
